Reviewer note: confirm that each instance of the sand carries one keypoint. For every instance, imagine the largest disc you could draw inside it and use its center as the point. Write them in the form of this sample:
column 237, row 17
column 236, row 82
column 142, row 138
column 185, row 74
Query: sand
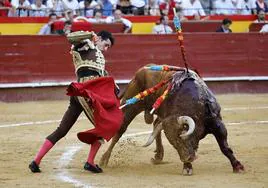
column 130, row 164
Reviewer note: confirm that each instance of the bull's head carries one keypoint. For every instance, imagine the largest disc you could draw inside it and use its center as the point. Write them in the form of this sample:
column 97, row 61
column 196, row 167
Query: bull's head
column 179, row 131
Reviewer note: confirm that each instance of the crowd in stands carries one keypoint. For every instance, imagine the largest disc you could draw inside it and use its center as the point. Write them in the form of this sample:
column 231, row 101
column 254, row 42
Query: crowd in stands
column 88, row 8
column 69, row 17
column 112, row 11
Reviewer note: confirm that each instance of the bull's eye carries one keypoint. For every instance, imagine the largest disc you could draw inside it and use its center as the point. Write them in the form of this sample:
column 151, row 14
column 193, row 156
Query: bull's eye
column 185, row 127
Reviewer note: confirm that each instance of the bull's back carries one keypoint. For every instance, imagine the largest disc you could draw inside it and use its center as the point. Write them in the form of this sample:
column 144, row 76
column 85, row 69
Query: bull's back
column 186, row 99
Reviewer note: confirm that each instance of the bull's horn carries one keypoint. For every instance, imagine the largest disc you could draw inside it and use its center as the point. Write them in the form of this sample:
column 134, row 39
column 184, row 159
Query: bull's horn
column 157, row 129
column 189, row 121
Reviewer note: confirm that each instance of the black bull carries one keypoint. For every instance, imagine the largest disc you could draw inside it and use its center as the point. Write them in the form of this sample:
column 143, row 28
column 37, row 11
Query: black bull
column 189, row 98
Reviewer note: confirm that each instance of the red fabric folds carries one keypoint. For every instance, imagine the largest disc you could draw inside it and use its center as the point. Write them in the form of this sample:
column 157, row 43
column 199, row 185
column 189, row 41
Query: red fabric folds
column 107, row 115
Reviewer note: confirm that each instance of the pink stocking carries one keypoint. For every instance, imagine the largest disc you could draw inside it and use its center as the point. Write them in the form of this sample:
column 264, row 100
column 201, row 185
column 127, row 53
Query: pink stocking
column 47, row 145
column 93, row 151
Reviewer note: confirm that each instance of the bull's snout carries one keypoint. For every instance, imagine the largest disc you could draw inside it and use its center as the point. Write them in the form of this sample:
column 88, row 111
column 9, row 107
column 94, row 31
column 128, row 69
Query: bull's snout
column 190, row 158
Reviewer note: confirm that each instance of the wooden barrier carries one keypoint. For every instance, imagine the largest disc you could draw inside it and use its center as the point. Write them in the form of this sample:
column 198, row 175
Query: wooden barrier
column 27, row 59
column 198, row 26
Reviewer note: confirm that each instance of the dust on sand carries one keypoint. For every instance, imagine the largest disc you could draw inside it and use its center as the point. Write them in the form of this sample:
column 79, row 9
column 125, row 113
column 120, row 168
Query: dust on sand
column 130, row 164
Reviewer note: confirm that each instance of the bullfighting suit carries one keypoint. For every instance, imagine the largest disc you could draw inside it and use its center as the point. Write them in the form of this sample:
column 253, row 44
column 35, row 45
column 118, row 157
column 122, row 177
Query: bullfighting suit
column 94, row 94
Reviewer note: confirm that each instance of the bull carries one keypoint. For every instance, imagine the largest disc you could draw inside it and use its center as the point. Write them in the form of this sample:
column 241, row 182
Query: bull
column 189, row 113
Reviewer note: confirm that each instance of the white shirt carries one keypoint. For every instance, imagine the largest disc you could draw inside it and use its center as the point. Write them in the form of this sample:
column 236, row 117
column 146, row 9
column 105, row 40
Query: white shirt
column 56, row 5
column 162, row 29
column 90, row 11
column 21, row 13
column 94, row 20
column 264, row 29
column 16, row 4
column 245, row 7
column 114, row 2
column 225, row 7
column 38, row 11
column 127, row 23
column 190, row 9
column 154, row 10
column 137, row 3
column 45, row 30
column 70, row 4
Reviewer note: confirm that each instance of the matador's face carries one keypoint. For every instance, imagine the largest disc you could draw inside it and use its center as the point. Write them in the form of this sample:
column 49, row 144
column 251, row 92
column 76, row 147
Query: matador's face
column 103, row 45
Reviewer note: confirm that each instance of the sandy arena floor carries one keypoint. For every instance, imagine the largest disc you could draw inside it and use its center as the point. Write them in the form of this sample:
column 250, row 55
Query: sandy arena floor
column 24, row 126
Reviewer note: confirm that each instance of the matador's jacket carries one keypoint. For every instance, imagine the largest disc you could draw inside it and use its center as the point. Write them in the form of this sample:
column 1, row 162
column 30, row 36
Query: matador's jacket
column 94, row 89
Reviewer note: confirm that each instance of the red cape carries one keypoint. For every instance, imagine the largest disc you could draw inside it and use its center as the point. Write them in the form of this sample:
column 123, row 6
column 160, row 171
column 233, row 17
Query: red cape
column 107, row 115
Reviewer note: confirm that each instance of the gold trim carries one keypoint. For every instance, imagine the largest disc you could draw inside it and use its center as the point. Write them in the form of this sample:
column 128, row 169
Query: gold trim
column 88, row 110
column 78, row 62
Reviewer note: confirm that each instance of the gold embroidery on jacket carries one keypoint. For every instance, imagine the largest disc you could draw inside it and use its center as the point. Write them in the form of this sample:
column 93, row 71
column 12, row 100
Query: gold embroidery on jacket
column 99, row 65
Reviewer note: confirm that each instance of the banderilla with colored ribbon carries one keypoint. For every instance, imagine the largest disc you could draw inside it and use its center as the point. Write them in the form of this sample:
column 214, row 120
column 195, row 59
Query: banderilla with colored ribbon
column 177, row 25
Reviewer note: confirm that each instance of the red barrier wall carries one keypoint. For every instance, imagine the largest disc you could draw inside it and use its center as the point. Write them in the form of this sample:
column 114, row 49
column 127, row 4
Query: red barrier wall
column 26, row 59
column 46, row 58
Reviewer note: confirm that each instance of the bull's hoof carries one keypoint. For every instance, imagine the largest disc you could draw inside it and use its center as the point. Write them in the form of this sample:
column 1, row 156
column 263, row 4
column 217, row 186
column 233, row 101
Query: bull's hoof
column 156, row 161
column 187, row 169
column 104, row 160
column 158, row 158
column 238, row 167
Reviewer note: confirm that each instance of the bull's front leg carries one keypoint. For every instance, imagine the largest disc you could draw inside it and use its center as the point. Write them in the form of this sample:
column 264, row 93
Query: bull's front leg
column 106, row 156
column 159, row 151
column 220, row 133
column 129, row 115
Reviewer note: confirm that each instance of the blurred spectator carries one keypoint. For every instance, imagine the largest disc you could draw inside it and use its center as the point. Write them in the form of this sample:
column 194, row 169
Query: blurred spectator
column 117, row 18
column 66, row 29
column 166, row 7
column 163, row 27
column 80, row 19
column 47, row 29
column 38, row 9
column 97, row 18
column 68, row 16
column 55, row 6
column 138, row 7
column 224, row 7
column 207, row 6
column 246, row 7
column 152, row 8
column 261, row 17
column 192, row 8
column 22, row 7
column 179, row 13
column 5, row 7
column 264, row 29
column 87, row 7
column 225, row 27
column 71, row 5
column 261, row 5
column 107, row 7
column 125, row 6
